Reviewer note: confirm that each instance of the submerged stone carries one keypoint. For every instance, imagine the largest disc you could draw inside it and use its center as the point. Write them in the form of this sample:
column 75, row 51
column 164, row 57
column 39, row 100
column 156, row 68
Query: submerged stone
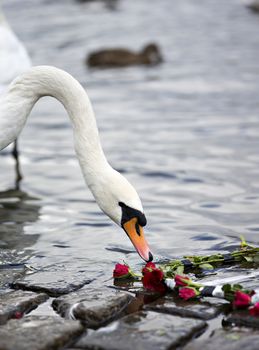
column 9, row 275
column 39, row 333
column 49, row 282
column 94, row 307
column 141, row 331
column 18, row 302
column 227, row 340
column 11, row 268
column 195, row 309
column 242, row 319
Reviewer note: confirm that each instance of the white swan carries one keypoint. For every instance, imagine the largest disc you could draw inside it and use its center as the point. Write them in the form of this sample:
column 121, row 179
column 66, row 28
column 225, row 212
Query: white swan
column 14, row 58
column 114, row 194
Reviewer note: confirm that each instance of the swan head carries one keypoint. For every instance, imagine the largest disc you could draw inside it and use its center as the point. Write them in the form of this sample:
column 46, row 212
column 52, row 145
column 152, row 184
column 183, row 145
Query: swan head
column 152, row 54
column 119, row 200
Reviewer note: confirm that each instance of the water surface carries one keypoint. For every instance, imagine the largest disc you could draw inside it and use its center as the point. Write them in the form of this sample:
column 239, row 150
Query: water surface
column 185, row 133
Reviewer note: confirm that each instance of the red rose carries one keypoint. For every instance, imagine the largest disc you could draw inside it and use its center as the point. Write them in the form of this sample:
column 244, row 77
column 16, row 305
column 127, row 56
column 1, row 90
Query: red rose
column 148, row 268
column 121, row 271
column 241, row 299
column 181, row 280
column 187, row 293
column 254, row 311
column 18, row 315
column 153, row 280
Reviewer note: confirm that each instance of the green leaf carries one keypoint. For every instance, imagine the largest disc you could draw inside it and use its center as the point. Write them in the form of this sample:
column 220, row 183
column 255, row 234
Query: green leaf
column 237, row 287
column 206, row 266
column 179, row 270
column 226, row 288
column 249, row 258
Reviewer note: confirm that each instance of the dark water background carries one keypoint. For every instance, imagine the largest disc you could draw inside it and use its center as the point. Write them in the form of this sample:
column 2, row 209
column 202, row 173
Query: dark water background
column 185, row 133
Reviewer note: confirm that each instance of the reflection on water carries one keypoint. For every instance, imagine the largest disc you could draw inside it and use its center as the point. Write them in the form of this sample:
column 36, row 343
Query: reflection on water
column 185, row 133
column 17, row 209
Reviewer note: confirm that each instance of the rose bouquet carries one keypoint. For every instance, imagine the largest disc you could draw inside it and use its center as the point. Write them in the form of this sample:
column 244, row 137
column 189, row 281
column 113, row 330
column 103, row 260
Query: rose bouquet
column 170, row 276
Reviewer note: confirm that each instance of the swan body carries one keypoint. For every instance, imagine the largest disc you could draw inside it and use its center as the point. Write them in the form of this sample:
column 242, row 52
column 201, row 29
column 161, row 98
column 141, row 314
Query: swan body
column 14, row 58
column 113, row 193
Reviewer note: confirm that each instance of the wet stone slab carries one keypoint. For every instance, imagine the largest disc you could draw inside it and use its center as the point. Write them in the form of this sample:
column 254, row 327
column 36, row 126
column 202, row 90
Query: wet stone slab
column 201, row 310
column 39, row 333
column 142, row 330
column 54, row 283
column 94, row 307
column 15, row 302
column 227, row 340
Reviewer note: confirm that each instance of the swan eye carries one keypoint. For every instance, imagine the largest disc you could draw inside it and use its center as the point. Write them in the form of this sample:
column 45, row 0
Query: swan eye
column 137, row 228
column 142, row 220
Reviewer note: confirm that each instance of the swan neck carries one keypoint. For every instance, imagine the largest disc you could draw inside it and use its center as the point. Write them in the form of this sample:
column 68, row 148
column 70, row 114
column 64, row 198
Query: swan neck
column 41, row 81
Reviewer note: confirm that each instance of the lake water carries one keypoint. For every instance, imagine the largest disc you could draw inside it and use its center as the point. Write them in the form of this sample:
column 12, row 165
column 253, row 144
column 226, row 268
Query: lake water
column 185, row 133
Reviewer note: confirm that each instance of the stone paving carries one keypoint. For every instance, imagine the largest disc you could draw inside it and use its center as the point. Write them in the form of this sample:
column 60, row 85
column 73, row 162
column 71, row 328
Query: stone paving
column 94, row 307
column 227, row 340
column 18, row 301
column 51, row 282
column 39, row 333
column 143, row 330
column 201, row 310
column 89, row 314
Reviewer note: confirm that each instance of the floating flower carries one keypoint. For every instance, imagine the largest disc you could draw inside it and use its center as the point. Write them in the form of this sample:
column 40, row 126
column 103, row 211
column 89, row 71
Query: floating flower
column 170, row 276
column 17, row 315
column 149, row 267
column 187, row 293
column 153, row 280
column 254, row 311
column 241, row 300
column 121, row 271
column 182, row 280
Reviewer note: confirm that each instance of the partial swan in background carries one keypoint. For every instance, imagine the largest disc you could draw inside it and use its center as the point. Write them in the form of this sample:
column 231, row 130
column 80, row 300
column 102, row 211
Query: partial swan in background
column 14, row 60
column 114, row 194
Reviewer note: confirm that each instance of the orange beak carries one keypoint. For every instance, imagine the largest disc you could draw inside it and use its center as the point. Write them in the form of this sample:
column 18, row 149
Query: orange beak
column 136, row 235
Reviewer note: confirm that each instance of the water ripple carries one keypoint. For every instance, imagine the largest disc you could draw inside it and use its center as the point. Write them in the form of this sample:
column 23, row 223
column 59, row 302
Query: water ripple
column 185, row 133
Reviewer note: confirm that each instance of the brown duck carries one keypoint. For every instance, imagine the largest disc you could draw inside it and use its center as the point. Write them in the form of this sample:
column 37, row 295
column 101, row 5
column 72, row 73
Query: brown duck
column 150, row 55
column 254, row 6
